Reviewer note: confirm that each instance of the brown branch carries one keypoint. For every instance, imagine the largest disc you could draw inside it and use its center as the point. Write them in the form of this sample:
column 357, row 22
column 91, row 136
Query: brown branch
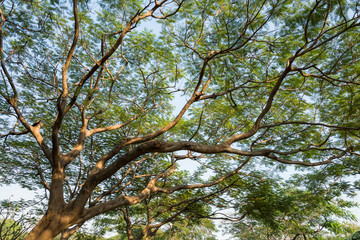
column 101, row 162
column 43, row 181
column 160, row 146
column 62, row 99
column 288, row 69
column 309, row 164
column 199, row 123
column 128, row 222
column 170, row 14
column 170, row 125
column 215, row 95
column 9, row 78
column 70, row 231
column 114, row 127
column 267, row 108
column 315, row 46
column 71, row 51
column 35, row 130
column 12, row 132
column 308, row 20
column 150, row 188
column 107, row 55
column 120, row 181
column 309, row 123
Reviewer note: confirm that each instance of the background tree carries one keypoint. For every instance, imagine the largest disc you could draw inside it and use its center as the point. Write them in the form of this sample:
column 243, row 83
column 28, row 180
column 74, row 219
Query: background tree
column 14, row 223
column 291, row 209
column 87, row 101
column 355, row 236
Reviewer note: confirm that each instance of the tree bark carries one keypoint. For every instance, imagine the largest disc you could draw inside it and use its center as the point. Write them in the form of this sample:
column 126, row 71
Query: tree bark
column 50, row 225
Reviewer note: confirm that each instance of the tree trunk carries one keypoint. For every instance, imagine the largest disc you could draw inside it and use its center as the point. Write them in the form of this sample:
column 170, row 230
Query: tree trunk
column 50, row 225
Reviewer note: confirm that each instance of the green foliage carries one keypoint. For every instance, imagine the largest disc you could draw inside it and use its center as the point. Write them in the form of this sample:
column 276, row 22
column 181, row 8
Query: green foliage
column 278, row 209
column 10, row 230
column 355, row 236
column 14, row 224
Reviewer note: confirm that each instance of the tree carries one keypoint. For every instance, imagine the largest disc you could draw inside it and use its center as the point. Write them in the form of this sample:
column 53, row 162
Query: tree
column 13, row 225
column 355, row 236
column 284, row 210
column 87, row 101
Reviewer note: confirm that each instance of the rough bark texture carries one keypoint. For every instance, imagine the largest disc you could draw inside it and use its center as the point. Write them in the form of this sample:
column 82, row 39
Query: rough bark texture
column 50, row 225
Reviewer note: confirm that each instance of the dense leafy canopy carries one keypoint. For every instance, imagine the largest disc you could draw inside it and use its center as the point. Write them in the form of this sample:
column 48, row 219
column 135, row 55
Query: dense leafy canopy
column 105, row 115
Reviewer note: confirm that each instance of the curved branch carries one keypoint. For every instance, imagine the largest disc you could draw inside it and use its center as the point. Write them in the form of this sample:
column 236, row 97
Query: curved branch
column 267, row 108
column 71, row 51
column 309, row 123
column 308, row 164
